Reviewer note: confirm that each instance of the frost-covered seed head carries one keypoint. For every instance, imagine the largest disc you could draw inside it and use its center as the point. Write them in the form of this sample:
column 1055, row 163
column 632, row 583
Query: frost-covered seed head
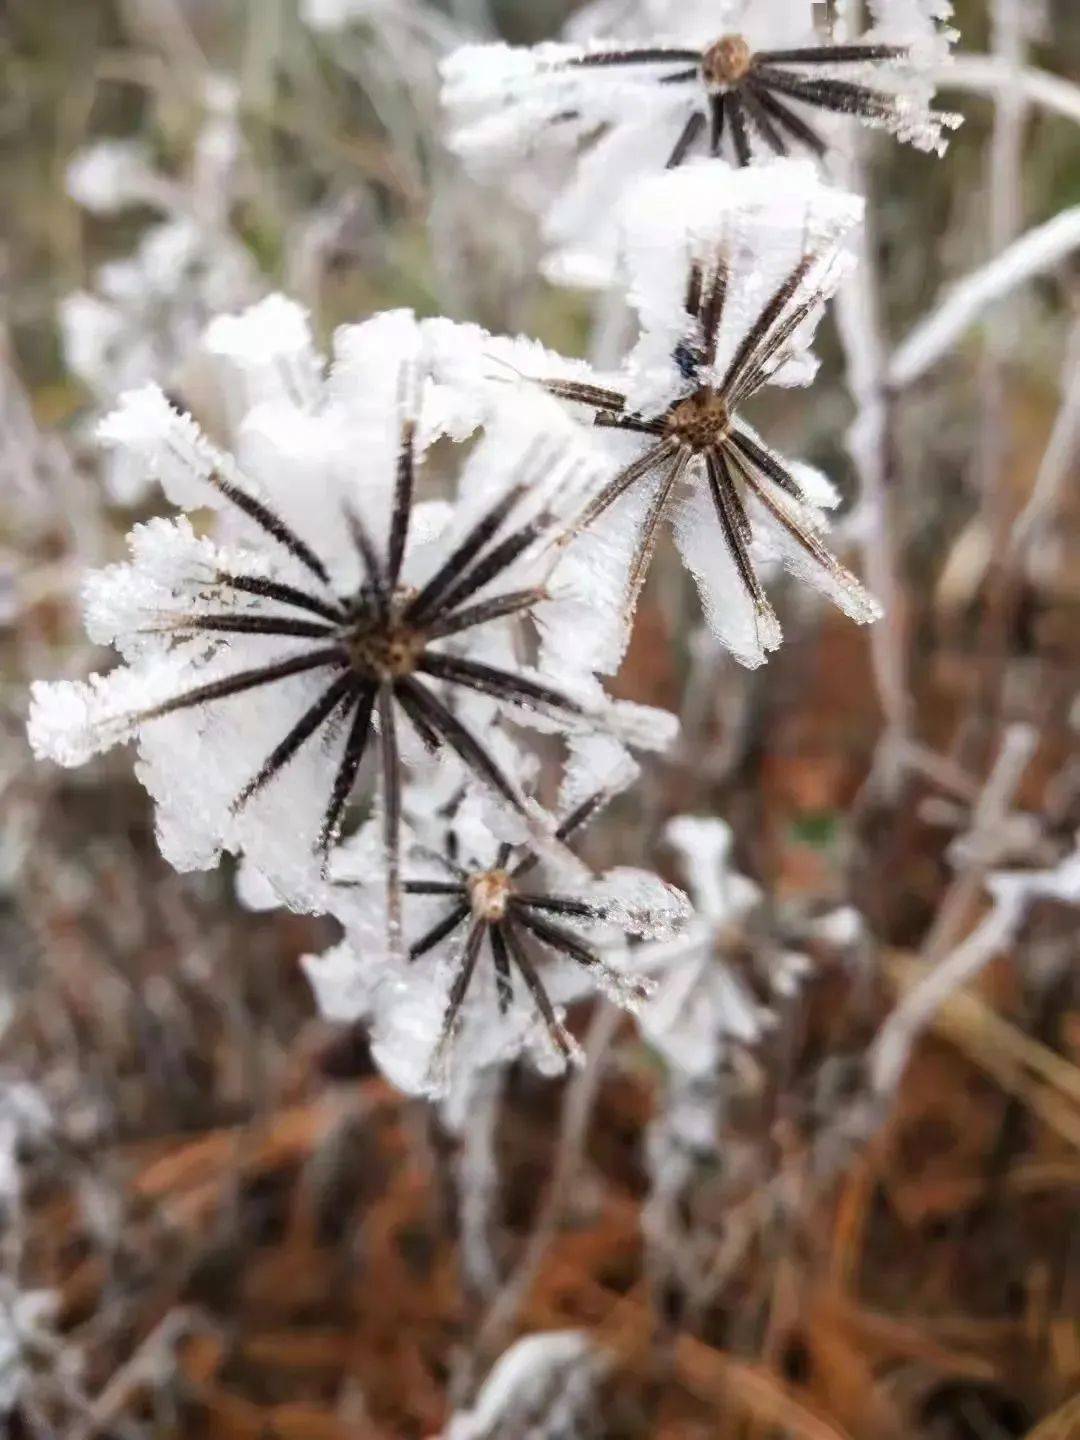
column 726, row 61
column 489, row 894
column 699, row 422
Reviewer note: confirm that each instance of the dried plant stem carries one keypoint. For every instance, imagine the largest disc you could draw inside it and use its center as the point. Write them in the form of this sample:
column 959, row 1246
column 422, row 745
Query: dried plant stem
column 989, row 75
column 581, row 1096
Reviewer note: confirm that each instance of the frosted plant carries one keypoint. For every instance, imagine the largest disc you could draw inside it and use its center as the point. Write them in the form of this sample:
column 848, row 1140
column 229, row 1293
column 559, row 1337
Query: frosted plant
column 260, row 664
column 25, row 1330
column 729, row 273
column 746, row 81
column 498, row 936
column 142, row 317
column 545, row 1387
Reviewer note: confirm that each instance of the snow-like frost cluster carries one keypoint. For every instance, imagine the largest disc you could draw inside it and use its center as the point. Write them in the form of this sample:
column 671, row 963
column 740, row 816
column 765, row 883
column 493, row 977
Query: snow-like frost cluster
column 740, row 81
column 333, row 657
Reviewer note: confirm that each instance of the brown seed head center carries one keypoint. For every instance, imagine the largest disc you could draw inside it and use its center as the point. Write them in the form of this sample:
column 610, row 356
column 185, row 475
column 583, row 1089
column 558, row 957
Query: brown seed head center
column 726, row 61
column 489, row 894
column 385, row 652
column 700, row 422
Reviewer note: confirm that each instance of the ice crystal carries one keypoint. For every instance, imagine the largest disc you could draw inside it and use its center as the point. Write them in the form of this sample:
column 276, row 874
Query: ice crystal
column 747, row 80
column 329, row 606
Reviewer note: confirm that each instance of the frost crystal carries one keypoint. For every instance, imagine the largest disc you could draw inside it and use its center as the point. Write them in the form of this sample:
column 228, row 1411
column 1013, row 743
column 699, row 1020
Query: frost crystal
column 743, row 79
column 730, row 272
column 497, row 941
column 331, row 606
column 543, row 1388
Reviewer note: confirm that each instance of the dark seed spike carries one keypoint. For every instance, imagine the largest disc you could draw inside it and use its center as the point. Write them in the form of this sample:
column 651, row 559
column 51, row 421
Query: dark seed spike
column 284, row 594
column 283, row 626
column 690, row 132
column 694, row 289
column 433, row 887
column 650, row 532
column 535, row 986
column 752, row 454
column 504, row 984
column 680, row 77
column 713, row 310
column 739, row 136
column 805, row 536
column 430, row 739
column 503, row 855
column 578, row 818
column 736, row 528
column 582, row 394
column 652, row 55
column 462, row 556
column 490, row 566
column 353, row 754
column 836, row 95
column 391, row 800
column 555, row 904
column 794, row 124
column 831, row 55
column 502, row 684
column 447, row 860
column 271, row 524
column 463, row 742
column 758, row 333
column 459, row 989
column 716, row 124
column 629, row 422
column 618, row 486
column 404, row 482
column 304, row 728
column 754, row 373
column 497, row 608
column 763, row 121
column 369, row 558
column 438, row 932
column 240, row 682
column 560, row 939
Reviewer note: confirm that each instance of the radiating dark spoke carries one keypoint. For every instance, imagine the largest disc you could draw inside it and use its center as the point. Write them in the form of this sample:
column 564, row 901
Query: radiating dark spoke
column 694, row 288
column 353, row 754
column 577, row 819
column 460, row 987
column 504, row 984
column 650, row 531
column 497, row 608
column 654, row 55
column 391, row 804
column 757, row 370
column 763, row 122
column 502, row 684
column 557, row 905
column 831, row 55
column 584, row 394
column 283, row 626
column 304, row 728
column 758, row 333
column 690, row 132
column 803, row 534
column 491, row 565
column 739, row 136
column 713, row 309
column 716, row 124
column 463, row 742
column 430, row 739
column 753, row 454
column 438, row 932
column 284, row 594
column 270, row 523
column 680, row 77
column 433, row 887
column 618, row 486
column 635, row 423
column 369, row 558
column 242, row 681
column 560, row 939
column 837, row 95
column 404, row 481
column 462, row 556
column 794, row 124
column 536, row 989
column 736, row 528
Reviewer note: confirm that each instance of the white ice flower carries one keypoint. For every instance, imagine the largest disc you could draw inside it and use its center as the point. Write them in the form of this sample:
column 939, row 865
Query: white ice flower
column 329, row 606
column 499, row 940
column 730, row 271
column 742, row 80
